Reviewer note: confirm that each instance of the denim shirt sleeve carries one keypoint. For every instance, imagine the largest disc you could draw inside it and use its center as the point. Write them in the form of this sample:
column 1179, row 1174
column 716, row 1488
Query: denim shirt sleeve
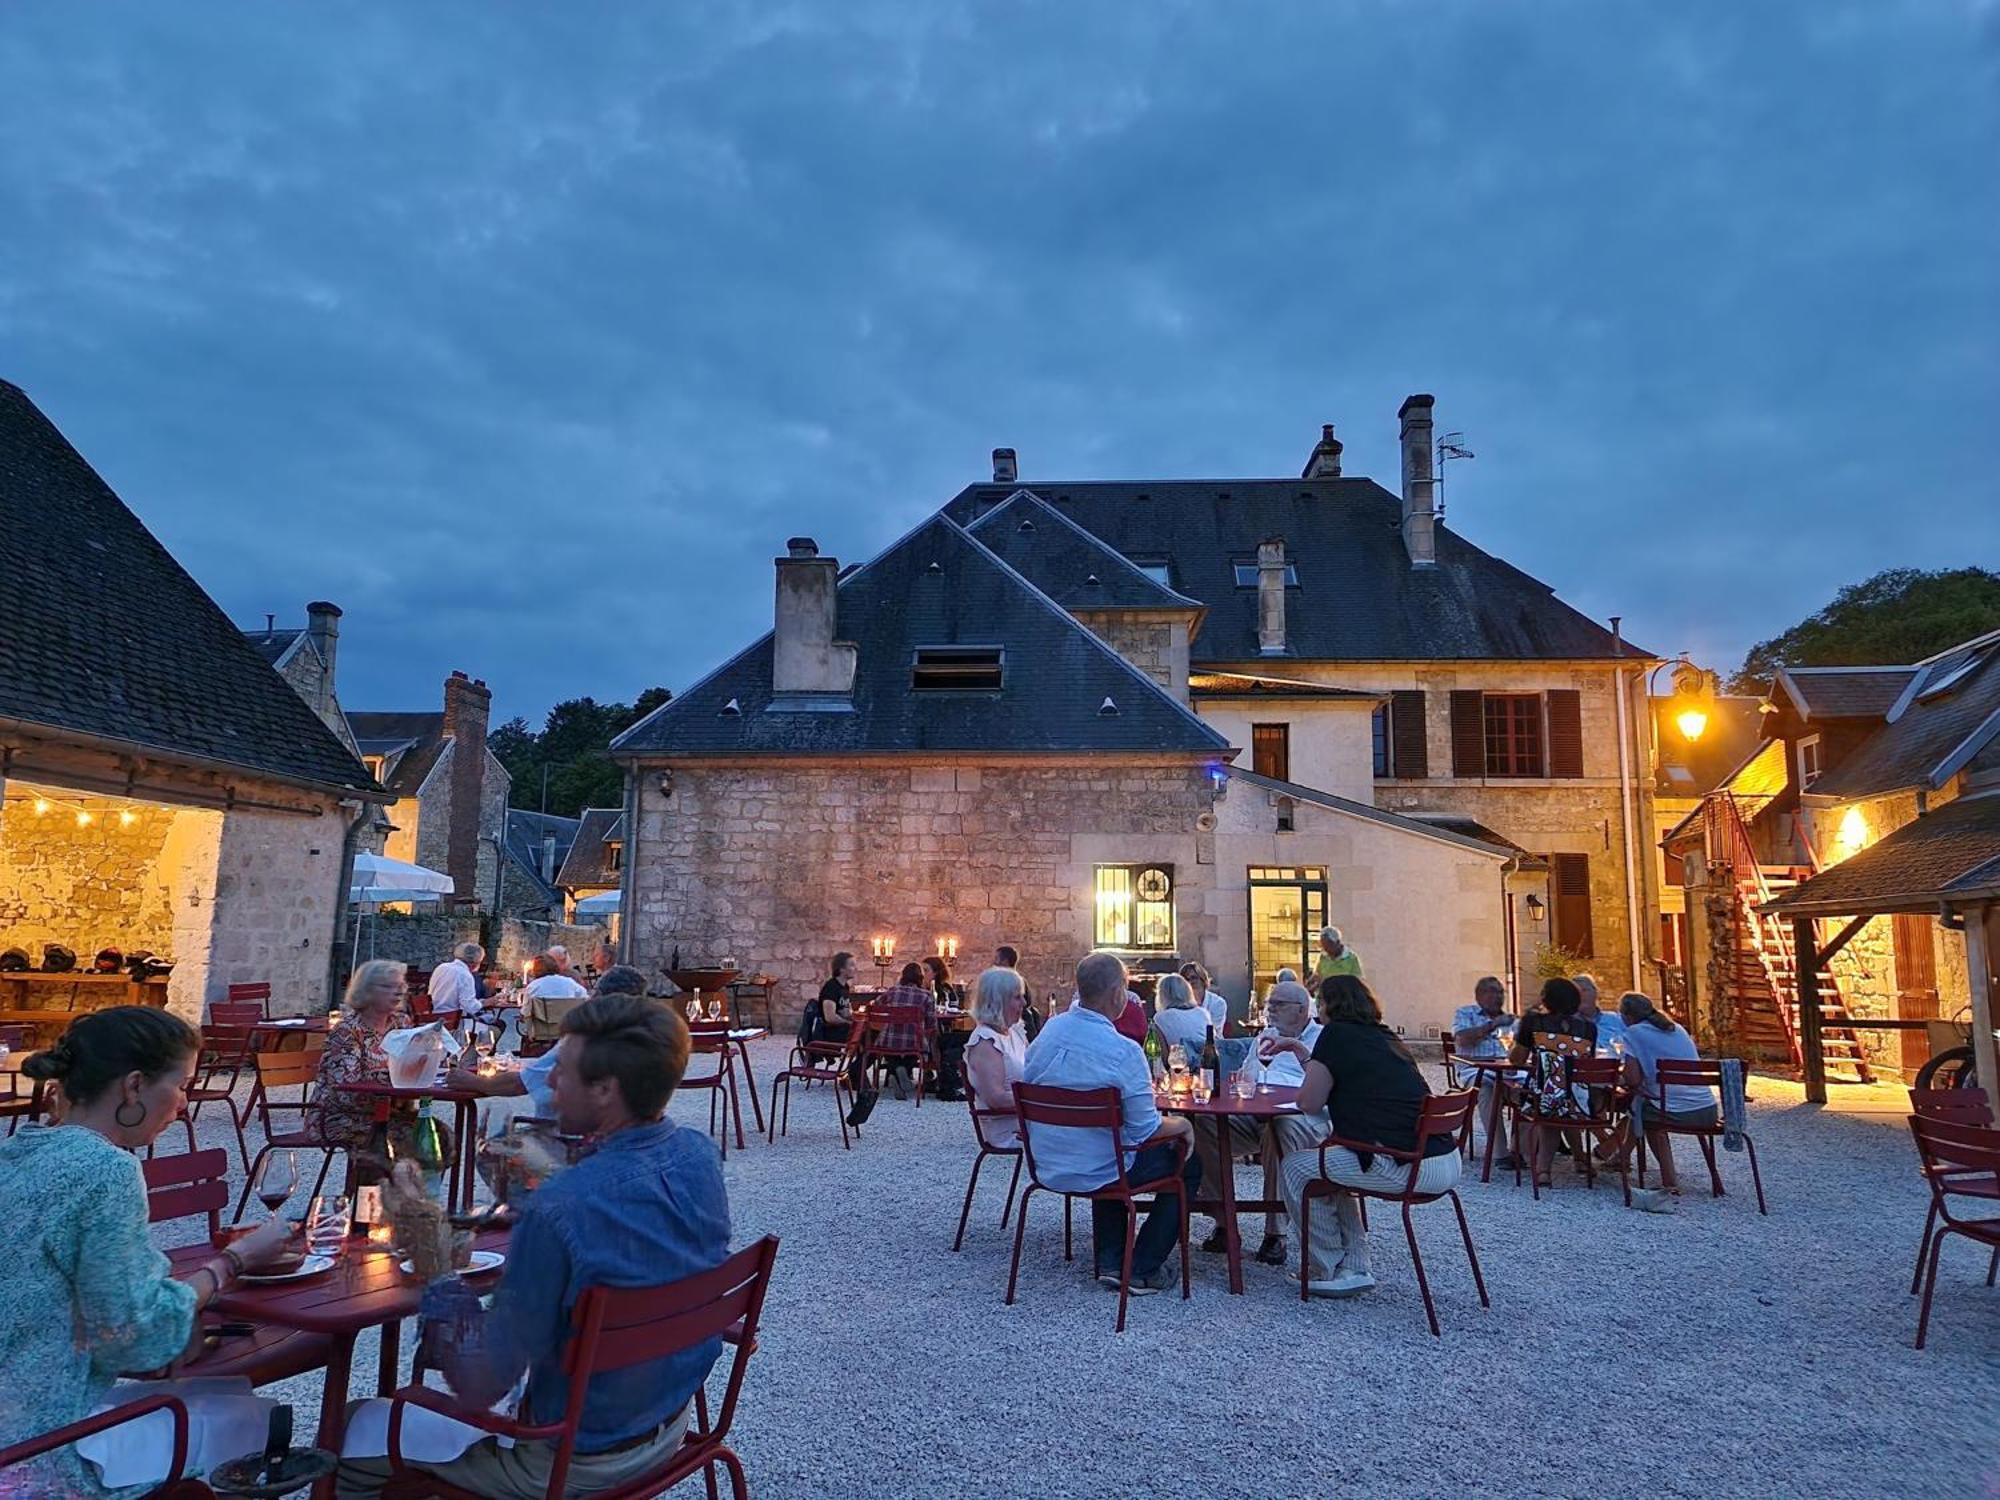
column 527, row 1321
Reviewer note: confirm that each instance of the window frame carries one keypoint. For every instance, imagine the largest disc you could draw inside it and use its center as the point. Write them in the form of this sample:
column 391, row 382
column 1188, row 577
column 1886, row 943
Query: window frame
column 1239, row 565
column 1517, row 711
column 1108, row 887
column 1379, row 732
column 1281, row 731
column 1808, row 749
column 972, row 660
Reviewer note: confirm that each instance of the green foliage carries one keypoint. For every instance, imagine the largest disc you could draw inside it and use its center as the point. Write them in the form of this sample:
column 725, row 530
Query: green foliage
column 1899, row 615
column 1557, row 962
column 571, row 748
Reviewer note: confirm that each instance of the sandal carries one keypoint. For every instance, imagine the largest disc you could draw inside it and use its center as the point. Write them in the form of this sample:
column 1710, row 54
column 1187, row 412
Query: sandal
column 1273, row 1251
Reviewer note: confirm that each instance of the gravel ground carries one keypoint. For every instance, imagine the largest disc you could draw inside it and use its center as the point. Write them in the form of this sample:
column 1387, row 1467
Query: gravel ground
column 1704, row 1354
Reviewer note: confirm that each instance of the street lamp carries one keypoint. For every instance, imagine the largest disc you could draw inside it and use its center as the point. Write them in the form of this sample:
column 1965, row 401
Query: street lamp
column 1694, row 692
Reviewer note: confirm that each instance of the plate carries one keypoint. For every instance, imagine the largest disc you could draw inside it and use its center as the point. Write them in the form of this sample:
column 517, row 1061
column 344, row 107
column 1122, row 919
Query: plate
column 482, row 1261
column 312, row 1265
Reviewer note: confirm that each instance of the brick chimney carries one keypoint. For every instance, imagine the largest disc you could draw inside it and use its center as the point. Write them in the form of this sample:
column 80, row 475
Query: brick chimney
column 1419, row 482
column 1005, row 470
column 323, row 630
column 1271, row 597
column 805, row 658
column 467, row 705
column 1324, row 463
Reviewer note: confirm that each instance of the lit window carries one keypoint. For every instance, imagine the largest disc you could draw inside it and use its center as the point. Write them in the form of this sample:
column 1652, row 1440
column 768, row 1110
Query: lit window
column 374, row 765
column 1246, row 574
column 1513, row 734
column 614, row 857
column 1809, row 766
column 1135, row 907
column 956, row 669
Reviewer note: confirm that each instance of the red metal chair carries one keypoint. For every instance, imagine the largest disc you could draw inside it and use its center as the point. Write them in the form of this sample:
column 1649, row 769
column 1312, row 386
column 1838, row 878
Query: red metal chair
column 1951, row 1107
column 614, row 1328
column 711, row 1039
column 1093, row 1109
column 285, row 1070
column 819, row 1062
column 16, row 1106
column 1599, row 1078
column 879, row 1057
column 104, row 1421
column 1442, row 1114
column 258, row 994
column 1959, row 1162
column 1704, row 1072
column 985, row 1150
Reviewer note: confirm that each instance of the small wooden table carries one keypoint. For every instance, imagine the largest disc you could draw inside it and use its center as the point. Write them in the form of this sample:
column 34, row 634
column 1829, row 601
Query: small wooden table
column 465, row 1122
column 1274, row 1103
column 367, row 1289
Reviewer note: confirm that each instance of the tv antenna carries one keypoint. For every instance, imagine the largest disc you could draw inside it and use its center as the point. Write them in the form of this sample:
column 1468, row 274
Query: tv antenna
column 1450, row 446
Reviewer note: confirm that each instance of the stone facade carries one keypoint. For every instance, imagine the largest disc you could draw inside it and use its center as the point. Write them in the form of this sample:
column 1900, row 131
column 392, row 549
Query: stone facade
column 781, row 864
column 422, row 824
column 276, row 893
column 1154, row 641
column 102, row 884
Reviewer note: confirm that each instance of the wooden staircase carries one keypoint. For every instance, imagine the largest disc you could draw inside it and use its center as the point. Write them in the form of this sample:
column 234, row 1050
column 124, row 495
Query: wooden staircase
column 1764, row 974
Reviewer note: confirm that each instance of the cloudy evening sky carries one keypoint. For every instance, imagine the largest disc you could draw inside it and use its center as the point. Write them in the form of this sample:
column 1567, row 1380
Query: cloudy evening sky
column 527, row 333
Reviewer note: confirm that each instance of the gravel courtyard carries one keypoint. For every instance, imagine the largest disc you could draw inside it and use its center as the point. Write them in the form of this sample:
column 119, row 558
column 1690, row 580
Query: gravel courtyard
column 1708, row 1353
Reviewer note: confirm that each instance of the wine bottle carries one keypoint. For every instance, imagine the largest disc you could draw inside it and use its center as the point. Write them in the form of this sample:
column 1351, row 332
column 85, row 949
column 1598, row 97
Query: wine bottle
column 1155, row 1052
column 1211, row 1065
column 428, row 1148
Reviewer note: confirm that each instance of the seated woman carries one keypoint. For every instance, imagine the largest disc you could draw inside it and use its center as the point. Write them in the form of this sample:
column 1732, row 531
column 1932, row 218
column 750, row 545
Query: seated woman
column 1552, row 1028
column 354, row 1054
column 951, row 1041
column 1205, row 996
column 1651, row 1036
column 996, row 1052
column 1365, row 1079
column 551, row 994
column 84, row 1296
column 1179, row 1014
column 905, row 1044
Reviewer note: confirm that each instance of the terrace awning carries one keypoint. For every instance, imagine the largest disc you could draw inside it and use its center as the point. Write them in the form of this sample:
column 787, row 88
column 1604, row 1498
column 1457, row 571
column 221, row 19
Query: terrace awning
column 378, row 878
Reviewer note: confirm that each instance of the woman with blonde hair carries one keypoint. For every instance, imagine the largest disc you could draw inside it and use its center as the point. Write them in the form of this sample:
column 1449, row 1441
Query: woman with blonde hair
column 371, row 1008
column 997, row 1051
column 1181, row 1017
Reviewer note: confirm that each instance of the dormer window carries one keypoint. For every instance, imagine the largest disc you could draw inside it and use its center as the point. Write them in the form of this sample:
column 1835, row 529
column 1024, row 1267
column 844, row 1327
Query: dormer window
column 614, row 856
column 1809, row 766
column 1246, row 574
column 956, row 669
column 1156, row 568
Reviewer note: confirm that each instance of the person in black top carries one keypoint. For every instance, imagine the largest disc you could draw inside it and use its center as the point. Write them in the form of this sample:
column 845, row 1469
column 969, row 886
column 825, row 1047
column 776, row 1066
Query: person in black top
column 1372, row 1091
column 831, row 1020
column 1553, row 1027
column 1005, row 957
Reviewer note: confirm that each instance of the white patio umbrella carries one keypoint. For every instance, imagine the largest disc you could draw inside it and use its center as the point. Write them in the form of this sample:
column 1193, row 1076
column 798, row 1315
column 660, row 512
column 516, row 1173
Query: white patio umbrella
column 377, row 878
column 603, row 904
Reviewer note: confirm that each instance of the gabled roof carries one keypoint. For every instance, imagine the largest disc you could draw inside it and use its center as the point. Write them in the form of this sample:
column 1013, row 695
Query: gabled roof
column 1949, row 713
column 522, row 835
column 103, row 634
column 1358, row 598
column 1952, row 854
column 274, row 645
column 589, row 862
column 1066, row 562
column 938, row 586
column 415, row 739
column 1257, row 685
column 1429, row 828
column 1842, row 692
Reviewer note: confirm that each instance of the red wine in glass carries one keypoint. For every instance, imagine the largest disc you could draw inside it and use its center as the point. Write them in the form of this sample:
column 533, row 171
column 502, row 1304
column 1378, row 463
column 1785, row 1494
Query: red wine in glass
column 278, row 1179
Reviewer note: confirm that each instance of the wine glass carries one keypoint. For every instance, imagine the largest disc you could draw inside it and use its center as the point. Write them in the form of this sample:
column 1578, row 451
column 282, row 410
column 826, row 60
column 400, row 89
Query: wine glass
column 277, row 1179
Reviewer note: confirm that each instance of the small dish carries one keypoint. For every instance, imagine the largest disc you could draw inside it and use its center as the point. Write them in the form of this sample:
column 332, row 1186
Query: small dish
column 312, row 1265
column 481, row 1262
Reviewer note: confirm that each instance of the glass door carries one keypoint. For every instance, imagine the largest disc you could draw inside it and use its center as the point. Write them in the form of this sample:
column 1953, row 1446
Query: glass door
column 1287, row 910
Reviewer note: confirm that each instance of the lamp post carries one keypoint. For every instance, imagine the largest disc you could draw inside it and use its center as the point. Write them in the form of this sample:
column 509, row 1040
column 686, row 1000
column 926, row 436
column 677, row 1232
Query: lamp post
column 1694, row 693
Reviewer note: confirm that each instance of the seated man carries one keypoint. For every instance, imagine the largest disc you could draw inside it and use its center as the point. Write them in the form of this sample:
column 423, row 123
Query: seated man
column 1081, row 1049
column 646, row 1208
column 532, row 1077
column 1480, row 1030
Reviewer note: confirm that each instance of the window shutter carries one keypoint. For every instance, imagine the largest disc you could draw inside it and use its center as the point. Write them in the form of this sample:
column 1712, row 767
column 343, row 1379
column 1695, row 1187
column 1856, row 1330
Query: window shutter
column 1468, row 734
column 1569, row 881
column 1409, row 755
column 1565, row 732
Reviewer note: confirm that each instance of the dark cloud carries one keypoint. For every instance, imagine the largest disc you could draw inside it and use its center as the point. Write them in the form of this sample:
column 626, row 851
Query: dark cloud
column 528, row 333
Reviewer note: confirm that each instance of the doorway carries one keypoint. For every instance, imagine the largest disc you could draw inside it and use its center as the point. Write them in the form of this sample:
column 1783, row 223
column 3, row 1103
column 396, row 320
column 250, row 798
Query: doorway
column 1287, row 910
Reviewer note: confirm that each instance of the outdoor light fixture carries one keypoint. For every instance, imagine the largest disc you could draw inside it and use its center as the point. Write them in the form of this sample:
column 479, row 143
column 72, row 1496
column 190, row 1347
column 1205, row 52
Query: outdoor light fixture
column 1853, row 835
column 884, row 948
column 1694, row 695
column 127, row 817
column 83, row 817
column 41, row 806
column 947, row 948
column 1536, row 910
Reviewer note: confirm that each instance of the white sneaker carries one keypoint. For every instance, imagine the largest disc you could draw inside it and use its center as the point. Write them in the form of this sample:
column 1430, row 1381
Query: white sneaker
column 1346, row 1284
column 1653, row 1200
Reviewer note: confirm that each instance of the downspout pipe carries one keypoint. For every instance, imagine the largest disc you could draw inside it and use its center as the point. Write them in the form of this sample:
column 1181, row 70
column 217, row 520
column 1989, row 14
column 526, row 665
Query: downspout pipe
column 349, row 840
column 1625, row 802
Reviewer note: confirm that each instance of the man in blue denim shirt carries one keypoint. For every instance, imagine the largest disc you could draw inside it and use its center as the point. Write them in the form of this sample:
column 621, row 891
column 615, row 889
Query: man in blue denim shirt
column 645, row 1208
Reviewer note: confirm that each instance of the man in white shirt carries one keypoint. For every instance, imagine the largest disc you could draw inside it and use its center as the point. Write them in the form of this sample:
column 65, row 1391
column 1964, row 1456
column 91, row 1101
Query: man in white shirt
column 1282, row 1050
column 1481, row 1030
column 1081, row 1049
column 454, row 987
column 1610, row 1025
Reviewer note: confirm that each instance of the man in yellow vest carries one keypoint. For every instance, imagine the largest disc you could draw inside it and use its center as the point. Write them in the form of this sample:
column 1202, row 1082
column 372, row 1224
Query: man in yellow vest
column 1335, row 957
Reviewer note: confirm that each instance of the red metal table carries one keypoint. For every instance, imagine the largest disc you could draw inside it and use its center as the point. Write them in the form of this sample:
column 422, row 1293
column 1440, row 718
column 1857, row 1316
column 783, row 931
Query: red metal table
column 271, row 1035
column 465, row 1124
column 1499, row 1070
column 1273, row 1104
column 366, row 1289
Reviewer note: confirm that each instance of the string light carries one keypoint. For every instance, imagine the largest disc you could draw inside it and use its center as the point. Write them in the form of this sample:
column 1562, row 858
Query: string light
column 41, row 806
column 127, row 817
column 83, row 817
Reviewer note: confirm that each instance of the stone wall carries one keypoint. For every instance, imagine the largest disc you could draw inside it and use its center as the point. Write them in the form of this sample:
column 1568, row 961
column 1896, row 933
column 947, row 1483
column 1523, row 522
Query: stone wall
column 778, row 866
column 1330, row 743
column 1152, row 641
column 423, row 823
column 427, row 939
column 276, row 889
column 100, row 884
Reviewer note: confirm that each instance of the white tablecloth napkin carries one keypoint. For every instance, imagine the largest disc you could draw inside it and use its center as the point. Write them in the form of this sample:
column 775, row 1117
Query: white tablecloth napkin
column 427, row 1437
column 225, row 1420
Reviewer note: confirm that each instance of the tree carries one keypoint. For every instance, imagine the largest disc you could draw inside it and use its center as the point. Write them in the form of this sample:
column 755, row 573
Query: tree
column 1899, row 615
column 571, row 750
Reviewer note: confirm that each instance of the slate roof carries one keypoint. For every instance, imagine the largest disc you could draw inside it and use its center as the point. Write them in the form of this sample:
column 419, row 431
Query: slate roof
column 1358, row 598
column 1256, row 685
column 938, row 586
column 522, row 834
column 1930, row 739
column 1950, row 854
column 272, row 644
column 102, row 633
column 589, row 861
column 420, row 738
column 1423, row 827
column 1843, row 692
column 1066, row 562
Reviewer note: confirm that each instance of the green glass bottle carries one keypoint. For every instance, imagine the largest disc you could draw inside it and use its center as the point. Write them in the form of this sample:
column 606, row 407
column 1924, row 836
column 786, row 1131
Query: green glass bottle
column 427, row 1146
column 1155, row 1052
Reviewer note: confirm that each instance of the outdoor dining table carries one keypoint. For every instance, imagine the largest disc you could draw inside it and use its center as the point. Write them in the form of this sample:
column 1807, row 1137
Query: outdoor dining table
column 366, row 1288
column 1501, row 1070
column 1274, row 1102
column 276, row 1035
column 465, row 1126
column 743, row 1036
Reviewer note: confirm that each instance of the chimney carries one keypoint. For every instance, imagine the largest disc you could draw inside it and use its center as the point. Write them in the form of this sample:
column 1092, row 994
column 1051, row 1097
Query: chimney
column 323, row 630
column 1004, row 468
column 549, row 858
column 1271, row 597
column 1325, row 460
column 1419, row 480
column 805, row 658
column 467, row 704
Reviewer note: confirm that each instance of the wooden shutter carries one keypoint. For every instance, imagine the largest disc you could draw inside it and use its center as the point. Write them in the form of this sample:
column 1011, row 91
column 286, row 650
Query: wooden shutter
column 1569, row 884
column 1916, row 967
column 1468, row 734
column 1565, row 732
column 1409, row 754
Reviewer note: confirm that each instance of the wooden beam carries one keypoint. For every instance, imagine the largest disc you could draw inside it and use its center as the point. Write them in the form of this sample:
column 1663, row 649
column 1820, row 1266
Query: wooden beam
column 1982, row 935
column 1805, row 975
column 1846, row 936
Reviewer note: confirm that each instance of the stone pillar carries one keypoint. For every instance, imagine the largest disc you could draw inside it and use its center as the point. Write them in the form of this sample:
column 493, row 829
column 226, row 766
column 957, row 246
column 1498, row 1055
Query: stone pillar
column 467, row 704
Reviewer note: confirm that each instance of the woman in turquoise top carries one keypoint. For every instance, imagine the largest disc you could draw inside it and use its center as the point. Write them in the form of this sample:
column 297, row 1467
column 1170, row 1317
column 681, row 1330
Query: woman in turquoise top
column 84, row 1296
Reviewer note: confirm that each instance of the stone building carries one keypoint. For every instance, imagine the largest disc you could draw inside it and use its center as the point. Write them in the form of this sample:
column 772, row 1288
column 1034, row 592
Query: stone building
column 162, row 787
column 596, row 859
column 1177, row 718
